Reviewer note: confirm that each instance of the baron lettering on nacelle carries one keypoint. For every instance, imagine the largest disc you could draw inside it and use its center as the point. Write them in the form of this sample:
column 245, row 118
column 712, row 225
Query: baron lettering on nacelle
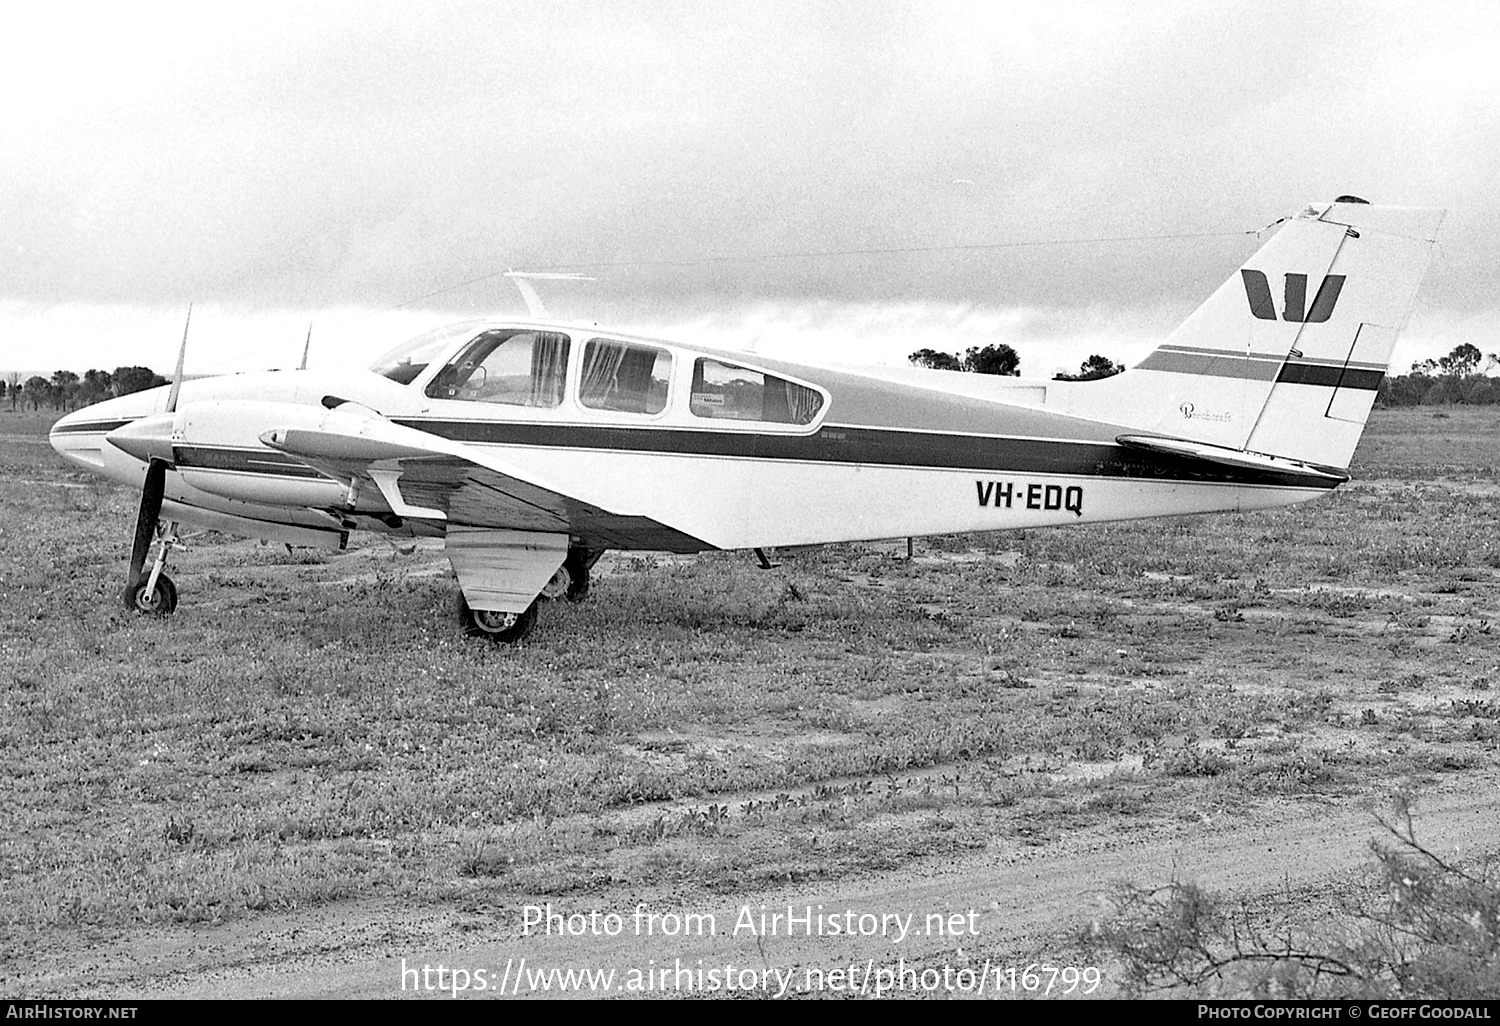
column 1001, row 494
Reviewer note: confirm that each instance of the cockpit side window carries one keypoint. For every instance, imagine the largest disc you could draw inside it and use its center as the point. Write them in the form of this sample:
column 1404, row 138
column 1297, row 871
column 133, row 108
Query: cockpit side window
column 728, row 392
column 509, row 366
column 624, row 377
column 408, row 360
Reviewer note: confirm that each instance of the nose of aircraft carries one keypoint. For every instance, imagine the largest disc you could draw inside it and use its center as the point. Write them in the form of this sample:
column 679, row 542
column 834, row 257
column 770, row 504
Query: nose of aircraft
column 76, row 437
column 88, row 436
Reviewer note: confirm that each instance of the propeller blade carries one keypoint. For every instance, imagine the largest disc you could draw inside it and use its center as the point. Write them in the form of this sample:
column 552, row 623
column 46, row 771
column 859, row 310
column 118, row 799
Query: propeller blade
column 181, row 356
column 306, row 346
column 145, row 520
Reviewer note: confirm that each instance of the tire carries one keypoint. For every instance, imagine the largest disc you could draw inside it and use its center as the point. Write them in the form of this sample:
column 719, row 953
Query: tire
column 572, row 578
column 162, row 602
column 500, row 628
column 559, row 586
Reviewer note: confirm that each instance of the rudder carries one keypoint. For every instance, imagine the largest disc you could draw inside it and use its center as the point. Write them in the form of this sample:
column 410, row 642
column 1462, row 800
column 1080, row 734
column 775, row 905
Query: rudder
column 1323, row 392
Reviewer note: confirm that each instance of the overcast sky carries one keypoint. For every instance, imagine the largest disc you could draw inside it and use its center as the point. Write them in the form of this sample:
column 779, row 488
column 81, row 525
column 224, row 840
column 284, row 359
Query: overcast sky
column 322, row 162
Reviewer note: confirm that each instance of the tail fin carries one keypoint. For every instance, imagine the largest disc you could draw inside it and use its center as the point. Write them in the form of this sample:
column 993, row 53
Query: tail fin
column 1284, row 359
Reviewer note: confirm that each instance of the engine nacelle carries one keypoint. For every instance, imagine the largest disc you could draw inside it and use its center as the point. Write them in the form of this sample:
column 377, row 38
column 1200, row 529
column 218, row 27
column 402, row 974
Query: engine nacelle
column 216, row 447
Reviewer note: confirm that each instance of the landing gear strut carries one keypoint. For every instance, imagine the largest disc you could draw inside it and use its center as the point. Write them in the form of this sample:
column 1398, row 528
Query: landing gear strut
column 151, row 593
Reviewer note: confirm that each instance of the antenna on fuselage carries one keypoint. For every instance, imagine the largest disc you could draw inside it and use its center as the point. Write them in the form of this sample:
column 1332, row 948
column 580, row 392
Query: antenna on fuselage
column 533, row 301
column 181, row 356
column 305, row 347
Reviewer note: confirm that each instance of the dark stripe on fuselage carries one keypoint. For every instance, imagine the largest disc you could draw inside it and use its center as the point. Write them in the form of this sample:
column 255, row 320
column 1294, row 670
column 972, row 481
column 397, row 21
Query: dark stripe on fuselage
column 874, row 446
column 240, row 461
column 90, row 427
column 831, row 444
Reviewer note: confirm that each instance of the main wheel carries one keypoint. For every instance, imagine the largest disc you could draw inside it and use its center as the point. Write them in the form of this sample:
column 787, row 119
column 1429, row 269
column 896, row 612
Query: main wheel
column 572, row 578
column 501, row 628
column 161, row 602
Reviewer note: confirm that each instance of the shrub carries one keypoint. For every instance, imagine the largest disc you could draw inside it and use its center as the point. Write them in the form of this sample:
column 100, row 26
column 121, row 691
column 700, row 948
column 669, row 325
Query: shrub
column 1425, row 928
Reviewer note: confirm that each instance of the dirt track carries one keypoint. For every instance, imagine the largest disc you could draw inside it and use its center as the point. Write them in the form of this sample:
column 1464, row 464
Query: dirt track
column 1030, row 904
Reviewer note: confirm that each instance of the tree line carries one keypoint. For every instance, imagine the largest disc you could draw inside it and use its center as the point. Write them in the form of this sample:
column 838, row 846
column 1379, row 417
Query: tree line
column 1002, row 359
column 65, row 390
column 1459, row 377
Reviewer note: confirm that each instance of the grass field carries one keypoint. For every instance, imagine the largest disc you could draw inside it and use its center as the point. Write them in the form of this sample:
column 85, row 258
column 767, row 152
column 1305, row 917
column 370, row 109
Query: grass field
column 312, row 727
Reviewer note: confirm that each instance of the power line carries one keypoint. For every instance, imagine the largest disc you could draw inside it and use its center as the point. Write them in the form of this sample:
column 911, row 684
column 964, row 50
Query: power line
column 886, row 251
column 446, row 288
column 821, row 254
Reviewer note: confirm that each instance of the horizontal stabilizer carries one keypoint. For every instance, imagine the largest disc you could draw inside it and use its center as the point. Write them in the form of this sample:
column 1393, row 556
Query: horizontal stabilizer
column 1229, row 457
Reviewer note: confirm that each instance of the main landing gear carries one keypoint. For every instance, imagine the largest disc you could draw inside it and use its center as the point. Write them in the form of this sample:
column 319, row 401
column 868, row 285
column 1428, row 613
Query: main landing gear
column 501, row 628
column 570, row 582
column 151, row 593
column 572, row 578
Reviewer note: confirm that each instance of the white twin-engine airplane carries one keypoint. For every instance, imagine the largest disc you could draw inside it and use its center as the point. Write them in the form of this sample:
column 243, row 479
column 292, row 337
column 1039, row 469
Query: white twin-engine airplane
column 530, row 448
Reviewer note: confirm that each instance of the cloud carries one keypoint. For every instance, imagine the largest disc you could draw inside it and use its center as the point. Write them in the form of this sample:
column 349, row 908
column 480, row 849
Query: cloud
column 303, row 157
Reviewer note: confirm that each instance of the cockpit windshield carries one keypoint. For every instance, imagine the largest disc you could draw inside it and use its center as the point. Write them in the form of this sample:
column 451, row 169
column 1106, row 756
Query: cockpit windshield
column 411, row 357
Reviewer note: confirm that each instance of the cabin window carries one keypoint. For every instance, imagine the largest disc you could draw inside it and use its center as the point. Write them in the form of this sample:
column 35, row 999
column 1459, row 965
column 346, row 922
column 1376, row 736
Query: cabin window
column 624, row 377
column 509, row 366
column 725, row 391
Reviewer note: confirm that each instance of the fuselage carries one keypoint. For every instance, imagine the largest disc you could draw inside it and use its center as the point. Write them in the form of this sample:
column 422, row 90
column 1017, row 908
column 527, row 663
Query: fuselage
column 723, row 449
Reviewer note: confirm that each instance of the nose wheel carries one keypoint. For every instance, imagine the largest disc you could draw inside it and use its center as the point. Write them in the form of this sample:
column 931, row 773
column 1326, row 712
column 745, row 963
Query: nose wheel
column 158, row 601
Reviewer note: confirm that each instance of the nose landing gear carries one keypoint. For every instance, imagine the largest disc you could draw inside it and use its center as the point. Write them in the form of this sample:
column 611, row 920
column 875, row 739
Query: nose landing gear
column 151, row 593
column 159, row 599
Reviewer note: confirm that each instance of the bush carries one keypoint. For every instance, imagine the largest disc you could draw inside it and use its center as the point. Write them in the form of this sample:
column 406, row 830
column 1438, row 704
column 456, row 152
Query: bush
column 1426, row 928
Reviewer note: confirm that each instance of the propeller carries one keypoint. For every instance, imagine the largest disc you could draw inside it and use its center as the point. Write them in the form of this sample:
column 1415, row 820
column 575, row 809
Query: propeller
column 181, row 356
column 153, row 490
column 305, row 345
column 146, row 517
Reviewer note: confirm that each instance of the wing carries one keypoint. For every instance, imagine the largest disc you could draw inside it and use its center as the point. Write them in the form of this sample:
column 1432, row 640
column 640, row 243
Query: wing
column 422, row 476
